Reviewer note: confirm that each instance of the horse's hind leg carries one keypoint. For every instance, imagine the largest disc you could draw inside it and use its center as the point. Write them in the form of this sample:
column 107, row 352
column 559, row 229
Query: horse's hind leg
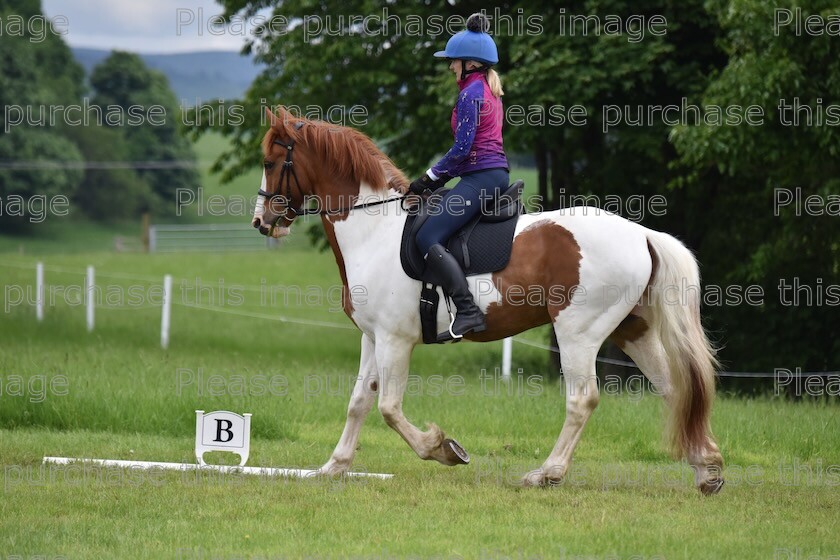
column 637, row 339
column 392, row 357
column 577, row 354
column 361, row 401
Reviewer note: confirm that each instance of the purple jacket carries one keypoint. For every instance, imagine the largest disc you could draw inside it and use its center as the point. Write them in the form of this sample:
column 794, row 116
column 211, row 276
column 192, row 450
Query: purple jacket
column 477, row 125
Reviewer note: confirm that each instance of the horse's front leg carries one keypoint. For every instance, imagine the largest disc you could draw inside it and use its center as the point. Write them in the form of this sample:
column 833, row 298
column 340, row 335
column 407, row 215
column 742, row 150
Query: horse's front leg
column 361, row 402
column 392, row 359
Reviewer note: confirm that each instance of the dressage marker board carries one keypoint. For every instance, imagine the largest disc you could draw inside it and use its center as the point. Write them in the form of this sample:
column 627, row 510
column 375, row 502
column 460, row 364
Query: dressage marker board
column 221, row 430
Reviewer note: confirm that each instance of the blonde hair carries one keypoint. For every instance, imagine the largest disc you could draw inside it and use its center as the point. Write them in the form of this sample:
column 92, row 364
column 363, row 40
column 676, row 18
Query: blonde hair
column 495, row 83
column 493, row 79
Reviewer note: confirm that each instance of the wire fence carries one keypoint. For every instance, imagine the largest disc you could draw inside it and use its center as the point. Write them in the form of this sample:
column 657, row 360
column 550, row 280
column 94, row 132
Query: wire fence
column 623, row 363
column 52, row 164
column 40, row 268
column 206, row 237
column 88, row 297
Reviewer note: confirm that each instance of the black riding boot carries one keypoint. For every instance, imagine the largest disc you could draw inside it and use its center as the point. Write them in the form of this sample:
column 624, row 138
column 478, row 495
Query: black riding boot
column 469, row 317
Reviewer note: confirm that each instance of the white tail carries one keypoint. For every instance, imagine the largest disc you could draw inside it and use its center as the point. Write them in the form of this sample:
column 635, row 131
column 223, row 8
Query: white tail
column 675, row 301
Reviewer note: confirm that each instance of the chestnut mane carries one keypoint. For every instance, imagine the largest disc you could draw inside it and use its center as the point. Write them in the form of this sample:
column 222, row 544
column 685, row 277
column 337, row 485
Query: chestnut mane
column 349, row 153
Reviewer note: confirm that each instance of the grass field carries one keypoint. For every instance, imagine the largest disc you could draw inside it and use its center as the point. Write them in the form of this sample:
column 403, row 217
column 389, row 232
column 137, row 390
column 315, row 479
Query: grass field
column 115, row 394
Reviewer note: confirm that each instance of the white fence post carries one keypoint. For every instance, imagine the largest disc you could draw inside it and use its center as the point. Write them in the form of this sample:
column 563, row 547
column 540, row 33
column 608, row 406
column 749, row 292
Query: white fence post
column 507, row 351
column 152, row 239
column 89, row 297
column 39, row 291
column 167, row 306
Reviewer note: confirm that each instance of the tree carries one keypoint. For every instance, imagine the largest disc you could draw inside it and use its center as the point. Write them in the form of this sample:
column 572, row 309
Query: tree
column 718, row 180
column 123, row 80
column 391, row 71
column 36, row 157
column 735, row 173
column 109, row 193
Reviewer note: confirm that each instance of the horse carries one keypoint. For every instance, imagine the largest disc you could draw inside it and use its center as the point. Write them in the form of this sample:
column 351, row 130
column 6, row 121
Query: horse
column 598, row 276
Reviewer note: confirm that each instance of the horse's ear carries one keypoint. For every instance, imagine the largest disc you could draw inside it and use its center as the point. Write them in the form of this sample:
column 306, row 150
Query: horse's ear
column 273, row 121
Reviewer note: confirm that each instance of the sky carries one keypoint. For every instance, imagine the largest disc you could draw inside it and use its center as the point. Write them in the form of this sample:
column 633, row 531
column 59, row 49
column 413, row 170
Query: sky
column 145, row 26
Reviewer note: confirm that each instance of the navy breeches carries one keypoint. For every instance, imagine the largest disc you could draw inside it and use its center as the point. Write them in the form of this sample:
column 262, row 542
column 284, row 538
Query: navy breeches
column 460, row 205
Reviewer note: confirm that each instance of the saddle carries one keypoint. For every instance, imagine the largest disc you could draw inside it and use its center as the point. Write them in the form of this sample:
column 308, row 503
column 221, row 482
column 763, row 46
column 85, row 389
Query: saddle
column 483, row 245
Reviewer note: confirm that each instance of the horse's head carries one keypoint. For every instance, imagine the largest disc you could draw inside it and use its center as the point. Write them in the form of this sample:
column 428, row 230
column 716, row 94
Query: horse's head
column 305, row 160
column 289, row 175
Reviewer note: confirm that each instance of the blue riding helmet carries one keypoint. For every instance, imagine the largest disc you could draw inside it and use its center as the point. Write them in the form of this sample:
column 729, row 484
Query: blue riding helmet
column 473, row 43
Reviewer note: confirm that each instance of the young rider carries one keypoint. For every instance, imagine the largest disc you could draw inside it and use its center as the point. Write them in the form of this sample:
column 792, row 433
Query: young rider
column 477, row 157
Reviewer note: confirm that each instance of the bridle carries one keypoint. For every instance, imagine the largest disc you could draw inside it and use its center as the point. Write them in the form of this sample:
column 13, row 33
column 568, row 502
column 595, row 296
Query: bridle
column 287, row 173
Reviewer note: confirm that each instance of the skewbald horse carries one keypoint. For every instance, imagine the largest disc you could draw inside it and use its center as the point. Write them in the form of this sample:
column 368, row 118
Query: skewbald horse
column 600, row 276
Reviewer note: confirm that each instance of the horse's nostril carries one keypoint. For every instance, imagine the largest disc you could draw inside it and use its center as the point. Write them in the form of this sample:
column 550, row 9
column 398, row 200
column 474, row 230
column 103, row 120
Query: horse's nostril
column 257, row 223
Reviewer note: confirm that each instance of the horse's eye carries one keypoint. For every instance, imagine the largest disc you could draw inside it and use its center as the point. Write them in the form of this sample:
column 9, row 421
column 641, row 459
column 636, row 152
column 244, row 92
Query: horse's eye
column 268, row 164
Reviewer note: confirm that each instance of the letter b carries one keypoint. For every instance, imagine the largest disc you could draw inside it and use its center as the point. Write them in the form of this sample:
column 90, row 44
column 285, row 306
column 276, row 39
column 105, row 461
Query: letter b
column 226, row 429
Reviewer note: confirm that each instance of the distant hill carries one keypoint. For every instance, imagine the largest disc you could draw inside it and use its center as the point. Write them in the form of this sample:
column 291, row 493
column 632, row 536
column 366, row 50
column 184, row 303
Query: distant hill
column 206, row 75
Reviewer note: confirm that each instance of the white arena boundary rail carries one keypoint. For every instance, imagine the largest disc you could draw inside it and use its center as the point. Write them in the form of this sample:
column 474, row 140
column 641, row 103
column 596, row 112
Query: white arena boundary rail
column 166, row 281
column 206, row 237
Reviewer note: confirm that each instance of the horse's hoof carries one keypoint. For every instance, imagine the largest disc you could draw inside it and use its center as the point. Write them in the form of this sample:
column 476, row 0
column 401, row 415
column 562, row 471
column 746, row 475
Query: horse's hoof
column 534, row 478
column 711, row 487
column 540, row 477
column 331, row 470
column 455, row 454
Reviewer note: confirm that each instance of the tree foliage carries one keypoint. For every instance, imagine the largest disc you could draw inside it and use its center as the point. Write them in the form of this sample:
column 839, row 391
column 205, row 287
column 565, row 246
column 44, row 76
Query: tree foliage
column 42, row 153
column 719, row 180
column 123, row 80
column 738, row 174
column 35, row 74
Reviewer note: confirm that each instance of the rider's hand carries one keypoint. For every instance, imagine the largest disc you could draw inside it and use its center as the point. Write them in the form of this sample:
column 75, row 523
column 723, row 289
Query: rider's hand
column 425, row 183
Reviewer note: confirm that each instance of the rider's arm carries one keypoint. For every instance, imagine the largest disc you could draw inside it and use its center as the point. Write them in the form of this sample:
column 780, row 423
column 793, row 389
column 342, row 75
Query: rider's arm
column 468, row 112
